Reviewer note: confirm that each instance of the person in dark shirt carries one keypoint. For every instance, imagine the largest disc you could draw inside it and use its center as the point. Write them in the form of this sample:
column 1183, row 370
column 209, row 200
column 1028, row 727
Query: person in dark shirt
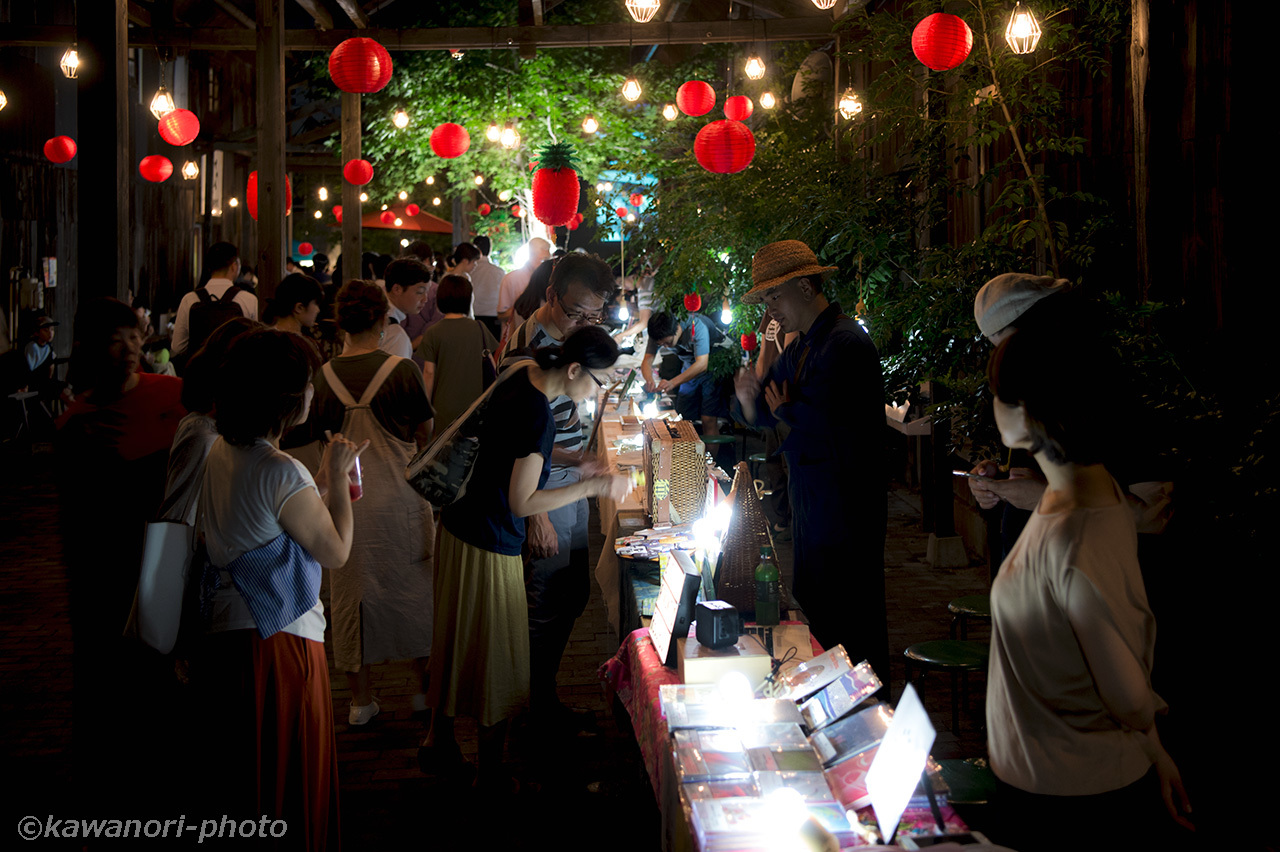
column 480, row 649
column 827, row 387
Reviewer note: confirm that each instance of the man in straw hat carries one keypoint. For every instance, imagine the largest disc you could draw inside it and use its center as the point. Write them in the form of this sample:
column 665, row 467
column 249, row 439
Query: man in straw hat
column 828, row 388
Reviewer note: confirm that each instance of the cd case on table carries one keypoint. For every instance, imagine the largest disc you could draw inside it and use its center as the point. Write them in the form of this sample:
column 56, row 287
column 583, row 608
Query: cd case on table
column 700, row 705
column 803, row 680
column 853, row 734
column 837, row 699
column 710, row 756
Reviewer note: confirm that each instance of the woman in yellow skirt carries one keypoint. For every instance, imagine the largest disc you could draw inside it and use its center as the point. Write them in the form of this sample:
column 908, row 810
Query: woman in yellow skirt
column 480, row 647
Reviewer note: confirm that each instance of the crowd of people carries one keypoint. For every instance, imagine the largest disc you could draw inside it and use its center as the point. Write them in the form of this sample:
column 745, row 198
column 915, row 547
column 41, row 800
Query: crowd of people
column 287, row 454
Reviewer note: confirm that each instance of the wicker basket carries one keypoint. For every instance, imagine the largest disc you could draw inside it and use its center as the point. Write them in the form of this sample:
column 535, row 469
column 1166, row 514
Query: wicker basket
column 748, row 532
column 676, row 462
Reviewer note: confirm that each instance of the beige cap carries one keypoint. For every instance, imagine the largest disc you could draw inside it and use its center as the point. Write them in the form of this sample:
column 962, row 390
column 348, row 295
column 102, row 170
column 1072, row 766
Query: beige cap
column 1006, row 297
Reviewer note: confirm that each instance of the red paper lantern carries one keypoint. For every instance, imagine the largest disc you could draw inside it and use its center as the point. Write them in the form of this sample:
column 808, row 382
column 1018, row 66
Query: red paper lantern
column 749, row 342
column 575, row 222
column 450, row 140
column 484, row 209
column 622, row 212
column 251, row 195
column 179, row 127
column 60, row 149
column 517, row 210
column 942, row 41
column 695, row 98
column 636, row 199
column 738, row 108
column 337, row 213
column 360, row 66
column 724, row 147
column 155, row 168
column 412, row 209
column 693, row 303
column 358, row 172
column 387, row 217
column 305, row 249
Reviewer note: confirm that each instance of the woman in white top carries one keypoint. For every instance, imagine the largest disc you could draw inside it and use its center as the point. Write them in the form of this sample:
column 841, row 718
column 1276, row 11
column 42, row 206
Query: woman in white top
column 268, row 532
column 1070, row 708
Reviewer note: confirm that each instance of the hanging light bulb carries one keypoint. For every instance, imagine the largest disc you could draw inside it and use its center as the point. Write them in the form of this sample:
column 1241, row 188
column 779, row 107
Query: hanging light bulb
column 162, row 103
column 824, row 4
column 4, row 102
column 670, row 113
column 70, row 63
column 399, row 222
column 754, row 68
column 324, row 194
column 631, row 89
column 364, row 196
column 505, row 195
column 384, row 207
column 849, row 104
column 726, row 313
column 493, row 132
column 509, row 138
column 431, row 180
column 190, row 171
column 642, row 11
column 319, row 215
column 403, row 196
column 436, row 201
column 631, row 217
column 233, row 202
column 590, row 125
column 1023, row 33
column 624, row 313
column 400, row 119
column 608, row 186
column 479, row 180
column 404, row 243
column 768, row 101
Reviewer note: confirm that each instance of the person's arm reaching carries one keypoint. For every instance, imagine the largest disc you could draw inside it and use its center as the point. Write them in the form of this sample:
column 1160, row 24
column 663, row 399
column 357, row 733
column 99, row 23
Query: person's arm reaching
column 697, row 368
column 527, row 499
column 325, row 531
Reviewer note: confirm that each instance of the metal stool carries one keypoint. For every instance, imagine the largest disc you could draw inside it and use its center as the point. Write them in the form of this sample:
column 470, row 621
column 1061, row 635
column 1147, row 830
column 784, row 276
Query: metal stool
column 756, row 460
column 965, row 608
column 958, row 657
column 970, row 781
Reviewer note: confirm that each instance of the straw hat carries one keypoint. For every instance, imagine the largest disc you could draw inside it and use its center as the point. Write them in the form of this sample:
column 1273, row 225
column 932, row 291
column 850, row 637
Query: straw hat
column 778, row 263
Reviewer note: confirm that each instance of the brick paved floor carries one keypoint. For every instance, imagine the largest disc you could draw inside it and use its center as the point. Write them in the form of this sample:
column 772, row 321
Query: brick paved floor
column 577, row 790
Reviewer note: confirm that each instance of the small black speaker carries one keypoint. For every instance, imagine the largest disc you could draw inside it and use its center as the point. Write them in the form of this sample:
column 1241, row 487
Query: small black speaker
column 718, row 624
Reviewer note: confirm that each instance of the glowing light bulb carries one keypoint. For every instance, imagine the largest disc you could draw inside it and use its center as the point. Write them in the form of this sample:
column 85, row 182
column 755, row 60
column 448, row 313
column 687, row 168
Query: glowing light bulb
column 768, row 101
column 70, row 64
column 190, row 171
column 404, row 243
column 642, row 11
column 849, row 104
column 509, row 138
column 479, row 180
column 403, row 196
column 319, row 215
column 324, row 194
column 670, row 113
column 493, row 132
column 590, row 125
column 623, row 313
column 726, row 315
column 608, row 186
column 233, row 202
column 431, row 180
column 384, row 207
column 505, row 195
column 1023, row 33
column 364, row 197
column 754, row 68
column 436, row 201
column 400, row 119
column 631, row 89
column 399, row 222
column 162, row 103
column 631, row 217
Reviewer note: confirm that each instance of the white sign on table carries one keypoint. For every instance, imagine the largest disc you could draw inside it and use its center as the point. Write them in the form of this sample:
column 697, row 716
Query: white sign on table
column 899, row 762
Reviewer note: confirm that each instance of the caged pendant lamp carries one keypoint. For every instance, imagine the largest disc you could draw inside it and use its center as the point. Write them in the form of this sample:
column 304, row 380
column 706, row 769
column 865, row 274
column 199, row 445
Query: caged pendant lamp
column 642, row 11
column 1023, row 33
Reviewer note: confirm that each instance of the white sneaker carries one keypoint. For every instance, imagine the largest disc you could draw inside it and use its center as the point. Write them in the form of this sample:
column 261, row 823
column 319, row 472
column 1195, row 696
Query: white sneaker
column 363, row 715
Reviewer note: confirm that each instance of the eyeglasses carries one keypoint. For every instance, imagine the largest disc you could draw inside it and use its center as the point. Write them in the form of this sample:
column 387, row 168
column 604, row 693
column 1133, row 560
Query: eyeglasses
column 594, row 378
column 579, row 316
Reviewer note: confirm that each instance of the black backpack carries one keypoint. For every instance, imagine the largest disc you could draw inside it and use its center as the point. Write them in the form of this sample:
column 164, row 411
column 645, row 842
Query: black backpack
column 210, row 312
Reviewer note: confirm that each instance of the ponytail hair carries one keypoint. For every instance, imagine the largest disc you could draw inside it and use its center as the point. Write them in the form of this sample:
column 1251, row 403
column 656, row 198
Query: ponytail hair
column 591, row 347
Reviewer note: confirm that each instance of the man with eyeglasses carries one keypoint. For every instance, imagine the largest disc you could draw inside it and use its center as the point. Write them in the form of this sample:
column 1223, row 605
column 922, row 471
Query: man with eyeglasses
column 559, row 581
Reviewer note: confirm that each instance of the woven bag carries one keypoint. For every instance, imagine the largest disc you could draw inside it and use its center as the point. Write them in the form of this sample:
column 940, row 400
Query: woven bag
column 676, row 462
column 748, row 532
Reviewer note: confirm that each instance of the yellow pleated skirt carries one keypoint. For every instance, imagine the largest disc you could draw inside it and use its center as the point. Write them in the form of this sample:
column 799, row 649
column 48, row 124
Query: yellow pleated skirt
column 480, row 642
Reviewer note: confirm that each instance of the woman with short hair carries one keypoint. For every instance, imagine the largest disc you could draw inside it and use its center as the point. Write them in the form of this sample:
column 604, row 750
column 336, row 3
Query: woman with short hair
column 453, row 352
column 268, row 532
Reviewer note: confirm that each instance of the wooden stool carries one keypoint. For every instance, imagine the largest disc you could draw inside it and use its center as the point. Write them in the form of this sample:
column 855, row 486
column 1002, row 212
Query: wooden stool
column 958, row 657
column 965, row 608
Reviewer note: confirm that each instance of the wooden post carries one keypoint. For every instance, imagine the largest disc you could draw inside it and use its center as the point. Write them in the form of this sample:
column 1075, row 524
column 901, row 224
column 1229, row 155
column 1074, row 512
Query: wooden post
column 272, row 200
column 351, row 207
column 1140, row 67
column 105, row 170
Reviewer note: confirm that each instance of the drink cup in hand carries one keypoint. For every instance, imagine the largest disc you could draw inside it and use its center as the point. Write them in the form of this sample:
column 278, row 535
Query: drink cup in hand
column 356, row 481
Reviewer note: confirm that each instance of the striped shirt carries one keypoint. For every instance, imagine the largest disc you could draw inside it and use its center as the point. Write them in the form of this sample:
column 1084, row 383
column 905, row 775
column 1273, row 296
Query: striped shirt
column 533, row 335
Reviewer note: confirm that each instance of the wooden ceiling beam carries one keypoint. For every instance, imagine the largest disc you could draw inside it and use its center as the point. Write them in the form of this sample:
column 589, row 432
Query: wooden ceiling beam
column 318, row 12
column 810, row 28
column 236, row 12
column 355, row 13
column 138, row 15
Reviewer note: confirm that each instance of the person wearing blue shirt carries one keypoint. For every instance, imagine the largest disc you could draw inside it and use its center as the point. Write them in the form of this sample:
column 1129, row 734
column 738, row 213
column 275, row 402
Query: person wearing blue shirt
column 827, row 387
column 698, row 395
